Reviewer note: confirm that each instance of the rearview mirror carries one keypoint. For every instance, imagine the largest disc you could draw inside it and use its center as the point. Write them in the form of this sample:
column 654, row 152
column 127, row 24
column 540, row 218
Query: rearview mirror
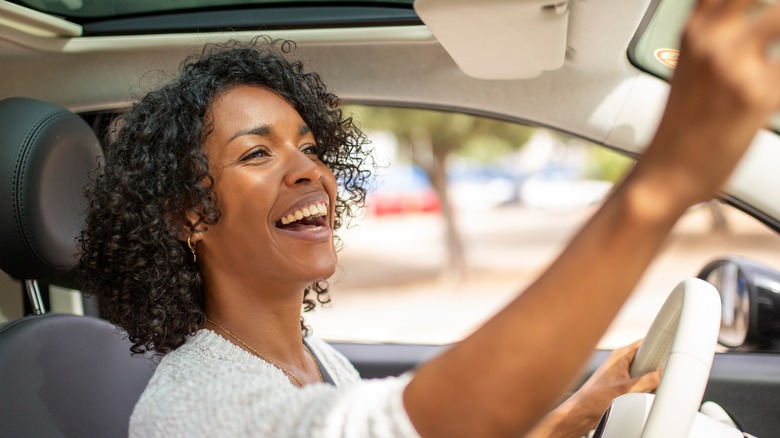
column 750, row 298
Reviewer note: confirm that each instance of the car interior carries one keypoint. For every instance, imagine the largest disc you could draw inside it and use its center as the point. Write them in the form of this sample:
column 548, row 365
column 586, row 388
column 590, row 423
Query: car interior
column 61, row 374
column 597, row 71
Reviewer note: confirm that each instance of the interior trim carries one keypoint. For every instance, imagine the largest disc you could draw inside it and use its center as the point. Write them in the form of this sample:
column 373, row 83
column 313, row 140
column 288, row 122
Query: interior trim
column 168, row 41
column 35, row 23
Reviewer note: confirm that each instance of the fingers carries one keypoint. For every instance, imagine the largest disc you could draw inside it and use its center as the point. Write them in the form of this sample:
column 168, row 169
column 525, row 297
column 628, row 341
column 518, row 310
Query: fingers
column 764, row 15
column 727, row 59
column 767, row 24
column 704, row 6
column 627, row 349
column 627, row 352
column 647, row 383
column 733, row 6
column 711, row 8
column 633, row 347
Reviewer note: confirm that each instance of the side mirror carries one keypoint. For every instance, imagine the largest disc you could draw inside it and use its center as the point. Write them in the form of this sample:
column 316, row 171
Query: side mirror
column 750, row 298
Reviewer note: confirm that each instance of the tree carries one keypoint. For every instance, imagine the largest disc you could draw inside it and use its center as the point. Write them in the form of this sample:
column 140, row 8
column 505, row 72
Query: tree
column 428, row 139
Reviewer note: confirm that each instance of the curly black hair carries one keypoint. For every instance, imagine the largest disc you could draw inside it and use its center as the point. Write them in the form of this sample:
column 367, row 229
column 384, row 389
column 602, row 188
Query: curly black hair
column 155, row 170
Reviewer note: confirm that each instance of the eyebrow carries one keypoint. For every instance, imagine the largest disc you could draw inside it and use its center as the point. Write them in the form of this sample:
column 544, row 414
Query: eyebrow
column 265, row 130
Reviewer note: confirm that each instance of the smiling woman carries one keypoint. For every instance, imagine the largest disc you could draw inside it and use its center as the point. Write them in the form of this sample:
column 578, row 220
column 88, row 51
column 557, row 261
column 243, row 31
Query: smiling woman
column 238, row 198
column 213, row 217
column 155, row 182
column 265, row 166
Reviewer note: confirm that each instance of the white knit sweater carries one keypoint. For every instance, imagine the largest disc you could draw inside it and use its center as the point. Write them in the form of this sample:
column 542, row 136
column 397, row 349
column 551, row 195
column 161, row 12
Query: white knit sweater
column 209, row 387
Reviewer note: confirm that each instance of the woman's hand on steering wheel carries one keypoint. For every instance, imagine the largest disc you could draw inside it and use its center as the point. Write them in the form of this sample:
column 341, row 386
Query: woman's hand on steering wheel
column 581, row 412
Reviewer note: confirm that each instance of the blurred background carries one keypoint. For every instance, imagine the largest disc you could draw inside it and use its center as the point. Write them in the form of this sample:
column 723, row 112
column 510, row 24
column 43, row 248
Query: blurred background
column 464, row 212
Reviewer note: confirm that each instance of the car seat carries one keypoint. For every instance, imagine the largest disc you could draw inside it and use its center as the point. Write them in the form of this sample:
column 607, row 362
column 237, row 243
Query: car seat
column 61, row 375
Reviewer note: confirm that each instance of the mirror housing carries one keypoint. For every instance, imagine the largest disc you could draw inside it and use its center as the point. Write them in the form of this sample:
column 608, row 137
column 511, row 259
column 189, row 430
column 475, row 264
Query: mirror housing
column 750, row 298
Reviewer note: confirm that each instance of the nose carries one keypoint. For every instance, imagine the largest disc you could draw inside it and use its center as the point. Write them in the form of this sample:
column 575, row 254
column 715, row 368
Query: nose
column 302, row 168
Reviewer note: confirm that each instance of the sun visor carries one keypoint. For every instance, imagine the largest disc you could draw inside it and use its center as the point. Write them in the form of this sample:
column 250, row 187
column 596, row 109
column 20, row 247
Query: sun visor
column 499, row 39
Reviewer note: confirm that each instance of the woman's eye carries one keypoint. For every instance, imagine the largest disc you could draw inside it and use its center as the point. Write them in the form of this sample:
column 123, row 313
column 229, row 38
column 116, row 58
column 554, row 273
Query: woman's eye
column 311, row 149
column 255, row 153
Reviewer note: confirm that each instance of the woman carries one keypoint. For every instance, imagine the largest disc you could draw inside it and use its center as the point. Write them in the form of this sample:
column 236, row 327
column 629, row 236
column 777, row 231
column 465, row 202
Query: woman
column 212, row 220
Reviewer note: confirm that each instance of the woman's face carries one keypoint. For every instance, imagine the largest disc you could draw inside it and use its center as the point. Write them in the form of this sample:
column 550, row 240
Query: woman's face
column 276, row 197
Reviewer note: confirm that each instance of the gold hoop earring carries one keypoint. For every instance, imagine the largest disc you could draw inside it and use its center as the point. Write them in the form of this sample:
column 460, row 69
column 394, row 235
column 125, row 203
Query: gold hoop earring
column 191, row 246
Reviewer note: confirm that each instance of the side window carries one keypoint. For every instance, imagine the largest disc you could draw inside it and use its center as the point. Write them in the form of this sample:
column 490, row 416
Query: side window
column 464, row 212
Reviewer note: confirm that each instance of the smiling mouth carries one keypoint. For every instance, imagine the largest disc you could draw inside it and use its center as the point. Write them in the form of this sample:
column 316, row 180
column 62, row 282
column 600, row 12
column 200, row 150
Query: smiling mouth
column 313, row 216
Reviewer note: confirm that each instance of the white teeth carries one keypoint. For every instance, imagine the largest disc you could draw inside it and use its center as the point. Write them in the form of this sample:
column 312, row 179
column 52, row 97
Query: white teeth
column 319, row 209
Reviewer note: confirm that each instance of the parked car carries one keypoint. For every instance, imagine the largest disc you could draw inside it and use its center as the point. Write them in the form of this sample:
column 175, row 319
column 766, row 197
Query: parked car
column 483, row 187
column 402, row 189
column 595, row 70
column 562, row 188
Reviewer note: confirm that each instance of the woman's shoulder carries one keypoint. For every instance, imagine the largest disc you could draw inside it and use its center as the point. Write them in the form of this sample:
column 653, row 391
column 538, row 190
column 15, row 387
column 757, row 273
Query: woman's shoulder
column 207, row 355
column 209, row 386
column 203, row 360
column 205, row 373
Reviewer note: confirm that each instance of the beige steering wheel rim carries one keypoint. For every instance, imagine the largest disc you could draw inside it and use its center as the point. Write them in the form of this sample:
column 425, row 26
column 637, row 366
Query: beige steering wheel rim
column 681, row 341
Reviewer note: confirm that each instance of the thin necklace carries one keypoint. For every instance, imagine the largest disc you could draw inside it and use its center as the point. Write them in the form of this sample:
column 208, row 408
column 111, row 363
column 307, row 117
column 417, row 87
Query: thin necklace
column 257, row 353
column 314, row 359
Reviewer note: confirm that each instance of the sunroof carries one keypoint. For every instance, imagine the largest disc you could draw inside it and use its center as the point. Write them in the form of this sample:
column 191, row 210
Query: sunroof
column 106, row 9
column 146, row 17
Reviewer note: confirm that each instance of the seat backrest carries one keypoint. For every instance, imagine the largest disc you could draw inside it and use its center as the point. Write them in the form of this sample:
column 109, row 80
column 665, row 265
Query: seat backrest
column 60, row 375
column 67, row 376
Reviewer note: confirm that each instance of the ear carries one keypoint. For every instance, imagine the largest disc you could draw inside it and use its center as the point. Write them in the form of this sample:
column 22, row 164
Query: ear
column 192, row 227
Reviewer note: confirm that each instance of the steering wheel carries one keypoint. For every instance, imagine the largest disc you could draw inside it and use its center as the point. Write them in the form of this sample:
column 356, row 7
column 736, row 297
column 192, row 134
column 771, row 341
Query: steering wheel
column 681, row 341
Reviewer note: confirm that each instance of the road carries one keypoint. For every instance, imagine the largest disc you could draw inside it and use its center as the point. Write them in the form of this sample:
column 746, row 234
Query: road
column 389, row 287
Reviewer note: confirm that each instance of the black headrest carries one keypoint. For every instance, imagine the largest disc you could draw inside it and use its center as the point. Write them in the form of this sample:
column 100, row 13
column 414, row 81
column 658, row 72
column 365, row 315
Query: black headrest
column 46, row 156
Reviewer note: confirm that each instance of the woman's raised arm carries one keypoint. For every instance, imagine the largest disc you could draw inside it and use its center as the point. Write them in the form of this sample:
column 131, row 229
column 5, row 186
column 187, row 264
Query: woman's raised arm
column 501, row 380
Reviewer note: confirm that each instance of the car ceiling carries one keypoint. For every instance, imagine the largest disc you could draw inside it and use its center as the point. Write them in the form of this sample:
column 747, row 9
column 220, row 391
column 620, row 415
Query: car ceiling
column 597, row 94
